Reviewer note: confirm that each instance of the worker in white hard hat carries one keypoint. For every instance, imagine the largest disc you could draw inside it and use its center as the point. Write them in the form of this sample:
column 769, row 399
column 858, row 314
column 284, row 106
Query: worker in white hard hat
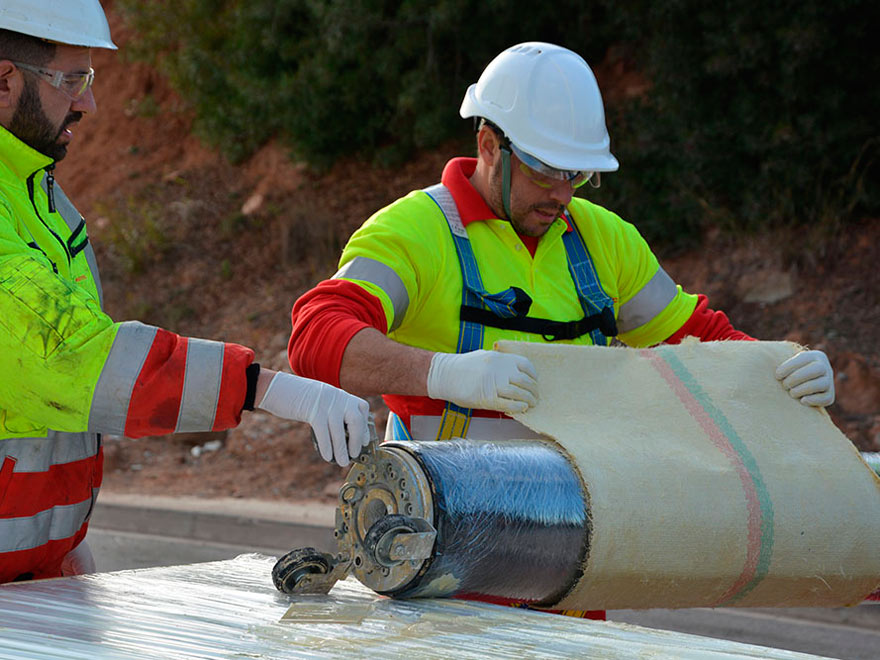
column 68, row 372
column 501, row 249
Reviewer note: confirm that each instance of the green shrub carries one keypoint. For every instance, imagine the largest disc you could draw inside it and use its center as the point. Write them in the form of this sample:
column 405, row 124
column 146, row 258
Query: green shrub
column 759, row 114
column 756, row 113
column 233, row 62
column 335, row 78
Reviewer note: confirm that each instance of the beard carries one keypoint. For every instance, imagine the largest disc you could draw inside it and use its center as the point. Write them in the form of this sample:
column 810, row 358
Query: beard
column 31, row 125
column 518, row 215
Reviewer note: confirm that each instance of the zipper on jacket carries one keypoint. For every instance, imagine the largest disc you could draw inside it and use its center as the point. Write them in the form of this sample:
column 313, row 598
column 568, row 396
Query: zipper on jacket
column 30, row 187
column 50, row 186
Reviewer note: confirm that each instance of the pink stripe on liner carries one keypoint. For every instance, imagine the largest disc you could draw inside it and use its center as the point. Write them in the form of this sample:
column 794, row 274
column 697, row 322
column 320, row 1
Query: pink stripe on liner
column 720, row 440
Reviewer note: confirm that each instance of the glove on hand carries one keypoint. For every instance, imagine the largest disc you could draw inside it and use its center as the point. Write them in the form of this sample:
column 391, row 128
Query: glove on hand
column 338, row 418
column 78, row 561
column 487, row 380
column 808, row 377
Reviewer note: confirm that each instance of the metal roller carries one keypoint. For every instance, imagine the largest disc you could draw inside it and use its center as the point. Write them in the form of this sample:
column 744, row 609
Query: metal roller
column 505, row 519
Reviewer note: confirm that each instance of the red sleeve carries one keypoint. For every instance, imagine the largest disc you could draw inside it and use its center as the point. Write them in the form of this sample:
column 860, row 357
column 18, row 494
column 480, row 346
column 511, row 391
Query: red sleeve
column 233, row 386
column 155, row 400
column 707, row 325
column 324, row 321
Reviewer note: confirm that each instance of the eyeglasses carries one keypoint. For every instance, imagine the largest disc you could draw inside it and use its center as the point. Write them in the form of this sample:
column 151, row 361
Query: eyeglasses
column 72, row 85
column 545, row 176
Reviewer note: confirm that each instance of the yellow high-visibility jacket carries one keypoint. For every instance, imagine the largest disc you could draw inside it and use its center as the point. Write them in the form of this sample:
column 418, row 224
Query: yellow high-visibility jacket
column 69, row 373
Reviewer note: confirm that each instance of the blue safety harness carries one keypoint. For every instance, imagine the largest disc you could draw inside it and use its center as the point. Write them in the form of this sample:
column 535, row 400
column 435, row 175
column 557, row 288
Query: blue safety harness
column 508, row 309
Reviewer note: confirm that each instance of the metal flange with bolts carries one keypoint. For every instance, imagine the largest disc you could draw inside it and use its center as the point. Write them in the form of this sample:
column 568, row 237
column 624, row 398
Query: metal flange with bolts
column 384, row 528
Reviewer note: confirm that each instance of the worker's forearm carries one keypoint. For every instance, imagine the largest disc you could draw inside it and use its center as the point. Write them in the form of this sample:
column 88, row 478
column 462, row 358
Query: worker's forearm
column 373, row 364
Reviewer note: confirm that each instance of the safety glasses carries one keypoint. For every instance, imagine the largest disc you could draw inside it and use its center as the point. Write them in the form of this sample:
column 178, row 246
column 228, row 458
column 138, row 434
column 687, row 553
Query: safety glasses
column 543, row 175
column 72, row 85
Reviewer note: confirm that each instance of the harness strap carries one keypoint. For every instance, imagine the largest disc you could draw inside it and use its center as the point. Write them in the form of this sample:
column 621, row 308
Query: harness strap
column 508, row 309
column 591, row 295
column 395, row 429
column 602, row 322
column 455, row 419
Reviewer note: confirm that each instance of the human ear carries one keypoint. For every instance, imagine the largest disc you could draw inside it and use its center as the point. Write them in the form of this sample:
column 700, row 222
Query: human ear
column 10, row 84
column 487, row 145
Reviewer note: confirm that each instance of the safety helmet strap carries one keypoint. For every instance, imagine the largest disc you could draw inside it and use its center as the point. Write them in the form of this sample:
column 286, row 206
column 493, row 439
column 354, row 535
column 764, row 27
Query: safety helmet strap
column 505, row 178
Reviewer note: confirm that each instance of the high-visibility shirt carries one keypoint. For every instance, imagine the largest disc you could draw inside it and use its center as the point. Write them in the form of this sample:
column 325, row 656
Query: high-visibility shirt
column 400, row 273
column 69, row 373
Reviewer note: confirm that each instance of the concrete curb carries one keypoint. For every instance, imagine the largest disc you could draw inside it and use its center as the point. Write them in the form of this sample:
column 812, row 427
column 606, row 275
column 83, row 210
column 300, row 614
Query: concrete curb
column 249, row 523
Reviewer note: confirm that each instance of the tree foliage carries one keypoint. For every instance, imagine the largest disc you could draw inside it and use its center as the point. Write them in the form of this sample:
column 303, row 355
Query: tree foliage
column 755, row 113
column 758, row 114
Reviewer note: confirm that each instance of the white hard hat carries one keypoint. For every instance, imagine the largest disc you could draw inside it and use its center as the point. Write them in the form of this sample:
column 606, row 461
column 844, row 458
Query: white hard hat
column 546, row 100
column 73, row 22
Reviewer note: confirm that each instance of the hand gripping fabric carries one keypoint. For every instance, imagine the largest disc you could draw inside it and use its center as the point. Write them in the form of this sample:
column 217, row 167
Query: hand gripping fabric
column 488, row 380
column 808, row 377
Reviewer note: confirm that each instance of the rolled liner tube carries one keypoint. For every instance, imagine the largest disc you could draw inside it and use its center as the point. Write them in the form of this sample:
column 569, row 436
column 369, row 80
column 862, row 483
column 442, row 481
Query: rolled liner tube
column 511, row 516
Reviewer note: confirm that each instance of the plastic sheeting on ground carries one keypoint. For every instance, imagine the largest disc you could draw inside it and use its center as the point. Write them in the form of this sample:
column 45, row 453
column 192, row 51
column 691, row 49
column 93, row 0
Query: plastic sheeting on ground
column 229, row 609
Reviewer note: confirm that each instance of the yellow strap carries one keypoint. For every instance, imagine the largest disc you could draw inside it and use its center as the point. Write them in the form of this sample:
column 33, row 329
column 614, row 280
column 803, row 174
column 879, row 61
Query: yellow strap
column 453, row 424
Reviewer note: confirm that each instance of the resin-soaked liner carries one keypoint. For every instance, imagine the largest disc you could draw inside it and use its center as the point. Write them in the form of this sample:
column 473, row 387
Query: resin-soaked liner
column 511, row 518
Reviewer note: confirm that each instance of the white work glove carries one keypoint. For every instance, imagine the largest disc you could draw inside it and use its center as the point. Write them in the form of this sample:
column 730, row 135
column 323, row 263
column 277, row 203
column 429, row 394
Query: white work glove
column 78, row 561
column 808, row 377
column 487, row 380
column 339, row 419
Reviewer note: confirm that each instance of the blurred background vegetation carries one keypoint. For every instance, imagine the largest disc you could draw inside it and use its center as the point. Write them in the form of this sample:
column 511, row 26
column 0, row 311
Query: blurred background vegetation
column 754, row 114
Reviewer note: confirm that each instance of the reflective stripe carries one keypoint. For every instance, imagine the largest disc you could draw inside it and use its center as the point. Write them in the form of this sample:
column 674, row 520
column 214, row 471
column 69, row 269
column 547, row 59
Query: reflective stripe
column 72, row 217
column 444, row 199
column 648, row 302
column 59, row 522
column 384, row 277
column 201, row 385
column 425, row 427
column 121, row 370
column 39, row 454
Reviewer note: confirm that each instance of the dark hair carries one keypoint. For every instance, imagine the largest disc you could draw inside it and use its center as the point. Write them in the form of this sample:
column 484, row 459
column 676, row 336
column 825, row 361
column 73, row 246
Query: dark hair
column 25, row 48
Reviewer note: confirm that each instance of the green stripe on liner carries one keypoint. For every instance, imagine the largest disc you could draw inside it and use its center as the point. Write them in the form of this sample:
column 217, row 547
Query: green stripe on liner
column 767, row 528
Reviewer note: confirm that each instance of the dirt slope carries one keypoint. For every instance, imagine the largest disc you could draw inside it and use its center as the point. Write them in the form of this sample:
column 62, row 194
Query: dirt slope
column 191, row 243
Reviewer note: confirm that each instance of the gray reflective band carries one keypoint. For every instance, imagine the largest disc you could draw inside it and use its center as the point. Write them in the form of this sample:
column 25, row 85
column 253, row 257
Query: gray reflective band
column 647, row 303
column 384, row 277
column 72, row 217
column 59, row 522
column 441, row 194
column 121, row 370
column 57, row 448
column 201, row 385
